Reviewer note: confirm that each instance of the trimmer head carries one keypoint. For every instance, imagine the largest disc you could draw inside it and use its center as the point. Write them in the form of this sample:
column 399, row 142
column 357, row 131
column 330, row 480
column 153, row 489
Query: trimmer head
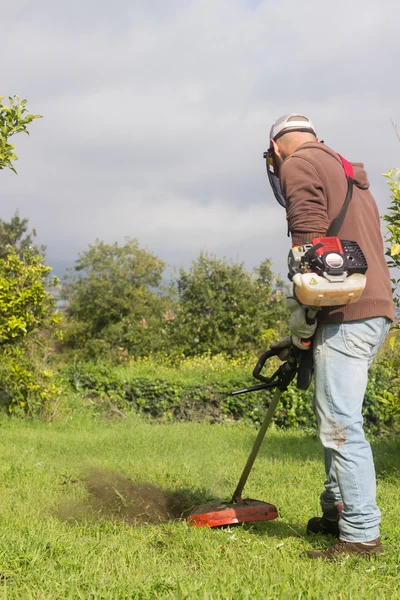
column 249, row 510
column 232, row 513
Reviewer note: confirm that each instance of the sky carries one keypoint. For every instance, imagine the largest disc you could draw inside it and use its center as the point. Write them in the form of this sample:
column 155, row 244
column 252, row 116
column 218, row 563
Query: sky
column 156, row 114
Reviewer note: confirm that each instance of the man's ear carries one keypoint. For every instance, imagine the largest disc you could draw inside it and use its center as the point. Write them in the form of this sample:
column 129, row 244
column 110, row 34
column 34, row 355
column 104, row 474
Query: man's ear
column 277, row 152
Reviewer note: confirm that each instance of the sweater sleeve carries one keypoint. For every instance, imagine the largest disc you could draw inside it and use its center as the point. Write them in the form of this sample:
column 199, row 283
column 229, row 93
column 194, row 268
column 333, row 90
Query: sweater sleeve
column 306, row 204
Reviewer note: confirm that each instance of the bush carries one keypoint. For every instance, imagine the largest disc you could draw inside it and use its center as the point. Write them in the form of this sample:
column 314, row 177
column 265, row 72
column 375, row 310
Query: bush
column 176, row 396
column 392, row 221
column 381, row 405
column 27, row 385
column 200, row 388
column 26, row 314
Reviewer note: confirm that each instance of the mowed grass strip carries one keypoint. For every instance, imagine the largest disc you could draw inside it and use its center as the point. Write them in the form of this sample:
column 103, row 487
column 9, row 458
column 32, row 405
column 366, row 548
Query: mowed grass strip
column 68, row 500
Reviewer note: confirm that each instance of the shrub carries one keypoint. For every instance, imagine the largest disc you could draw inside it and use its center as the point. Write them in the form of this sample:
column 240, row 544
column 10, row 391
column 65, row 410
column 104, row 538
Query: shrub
column 392, row 220
column 381, row 405
column 200, row 388
column 26, row 312
column 27, row 386
column 175, row 397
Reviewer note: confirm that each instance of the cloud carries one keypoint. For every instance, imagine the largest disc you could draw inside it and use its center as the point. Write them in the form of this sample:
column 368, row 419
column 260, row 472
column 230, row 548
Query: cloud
column 157, row 114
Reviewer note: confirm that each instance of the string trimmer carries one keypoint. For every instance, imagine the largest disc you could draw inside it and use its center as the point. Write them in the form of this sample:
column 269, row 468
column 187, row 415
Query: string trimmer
column 239, row 510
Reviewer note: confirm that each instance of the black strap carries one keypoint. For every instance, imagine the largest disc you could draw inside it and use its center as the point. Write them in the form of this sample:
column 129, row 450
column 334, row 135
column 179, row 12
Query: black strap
column 337, row 222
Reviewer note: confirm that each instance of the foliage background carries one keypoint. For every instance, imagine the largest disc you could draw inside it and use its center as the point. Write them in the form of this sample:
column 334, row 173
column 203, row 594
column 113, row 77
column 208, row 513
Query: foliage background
column 129, row 340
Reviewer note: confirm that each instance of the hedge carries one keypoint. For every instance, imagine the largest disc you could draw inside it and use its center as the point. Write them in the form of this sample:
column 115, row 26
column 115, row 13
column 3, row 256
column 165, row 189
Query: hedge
column 174, row 395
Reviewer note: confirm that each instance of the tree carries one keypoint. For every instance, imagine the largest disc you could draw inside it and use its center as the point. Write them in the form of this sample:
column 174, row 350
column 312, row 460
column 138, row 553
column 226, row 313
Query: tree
column 15, row 233
column 223, row 308
column 112, row 301
column 24, row 301
column 392, row 219
column 26, row 308
column 14, row 118
column 26, row 311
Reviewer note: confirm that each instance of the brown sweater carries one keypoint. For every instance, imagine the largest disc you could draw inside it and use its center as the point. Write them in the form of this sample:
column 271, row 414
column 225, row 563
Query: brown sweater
column 314, row 186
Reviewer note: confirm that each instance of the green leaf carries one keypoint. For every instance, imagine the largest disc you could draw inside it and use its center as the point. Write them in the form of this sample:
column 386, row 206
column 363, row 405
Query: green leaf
column 13, row 120
column 395, row 250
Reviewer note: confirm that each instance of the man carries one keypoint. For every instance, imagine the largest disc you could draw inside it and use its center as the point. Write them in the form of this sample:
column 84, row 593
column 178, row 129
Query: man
column 314, row 186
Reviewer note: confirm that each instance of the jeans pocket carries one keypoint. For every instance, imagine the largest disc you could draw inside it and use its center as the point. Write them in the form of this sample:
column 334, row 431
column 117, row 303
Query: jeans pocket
column 362, row 338
column 386, row 323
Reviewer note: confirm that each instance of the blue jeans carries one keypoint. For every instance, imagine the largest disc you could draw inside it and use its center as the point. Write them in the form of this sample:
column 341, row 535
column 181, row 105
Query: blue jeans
column 343, row 354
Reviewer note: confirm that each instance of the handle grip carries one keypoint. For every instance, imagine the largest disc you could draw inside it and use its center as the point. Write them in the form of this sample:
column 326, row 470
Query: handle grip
column 311, row 317
column 261, row 362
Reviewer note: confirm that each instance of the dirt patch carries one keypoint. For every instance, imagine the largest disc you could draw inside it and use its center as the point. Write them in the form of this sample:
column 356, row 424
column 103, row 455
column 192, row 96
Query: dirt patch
column 112, row 496
column 339, row 434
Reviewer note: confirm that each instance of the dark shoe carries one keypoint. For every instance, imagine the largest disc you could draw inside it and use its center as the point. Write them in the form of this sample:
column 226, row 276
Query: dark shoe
column 328, row 524
column 343, row 549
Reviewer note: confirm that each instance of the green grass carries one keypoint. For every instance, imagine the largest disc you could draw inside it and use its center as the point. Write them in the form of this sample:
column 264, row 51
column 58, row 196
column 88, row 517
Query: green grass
column 57, row 540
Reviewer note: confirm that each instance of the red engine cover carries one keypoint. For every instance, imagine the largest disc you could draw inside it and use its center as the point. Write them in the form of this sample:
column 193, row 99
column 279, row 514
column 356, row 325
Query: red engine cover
column 329, row 244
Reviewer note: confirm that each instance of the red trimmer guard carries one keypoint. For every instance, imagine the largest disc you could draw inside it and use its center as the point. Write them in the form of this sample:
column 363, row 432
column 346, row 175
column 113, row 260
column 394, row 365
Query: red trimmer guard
column 216, row 515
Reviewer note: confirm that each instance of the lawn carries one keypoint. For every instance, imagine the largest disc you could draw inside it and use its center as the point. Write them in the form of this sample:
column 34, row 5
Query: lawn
column 69, row 502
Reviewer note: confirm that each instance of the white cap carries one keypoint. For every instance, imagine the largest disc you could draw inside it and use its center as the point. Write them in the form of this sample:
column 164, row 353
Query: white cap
column 284, row 125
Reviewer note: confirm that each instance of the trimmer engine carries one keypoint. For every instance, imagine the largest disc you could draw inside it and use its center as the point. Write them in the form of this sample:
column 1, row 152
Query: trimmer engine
column 328, row 271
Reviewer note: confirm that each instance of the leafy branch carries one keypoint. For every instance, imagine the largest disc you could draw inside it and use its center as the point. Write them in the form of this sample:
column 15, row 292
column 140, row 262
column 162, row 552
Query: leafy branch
column 392, row 220
column 14, row 118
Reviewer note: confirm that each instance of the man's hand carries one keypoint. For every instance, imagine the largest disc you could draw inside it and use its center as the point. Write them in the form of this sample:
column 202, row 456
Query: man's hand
column 300, row 330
